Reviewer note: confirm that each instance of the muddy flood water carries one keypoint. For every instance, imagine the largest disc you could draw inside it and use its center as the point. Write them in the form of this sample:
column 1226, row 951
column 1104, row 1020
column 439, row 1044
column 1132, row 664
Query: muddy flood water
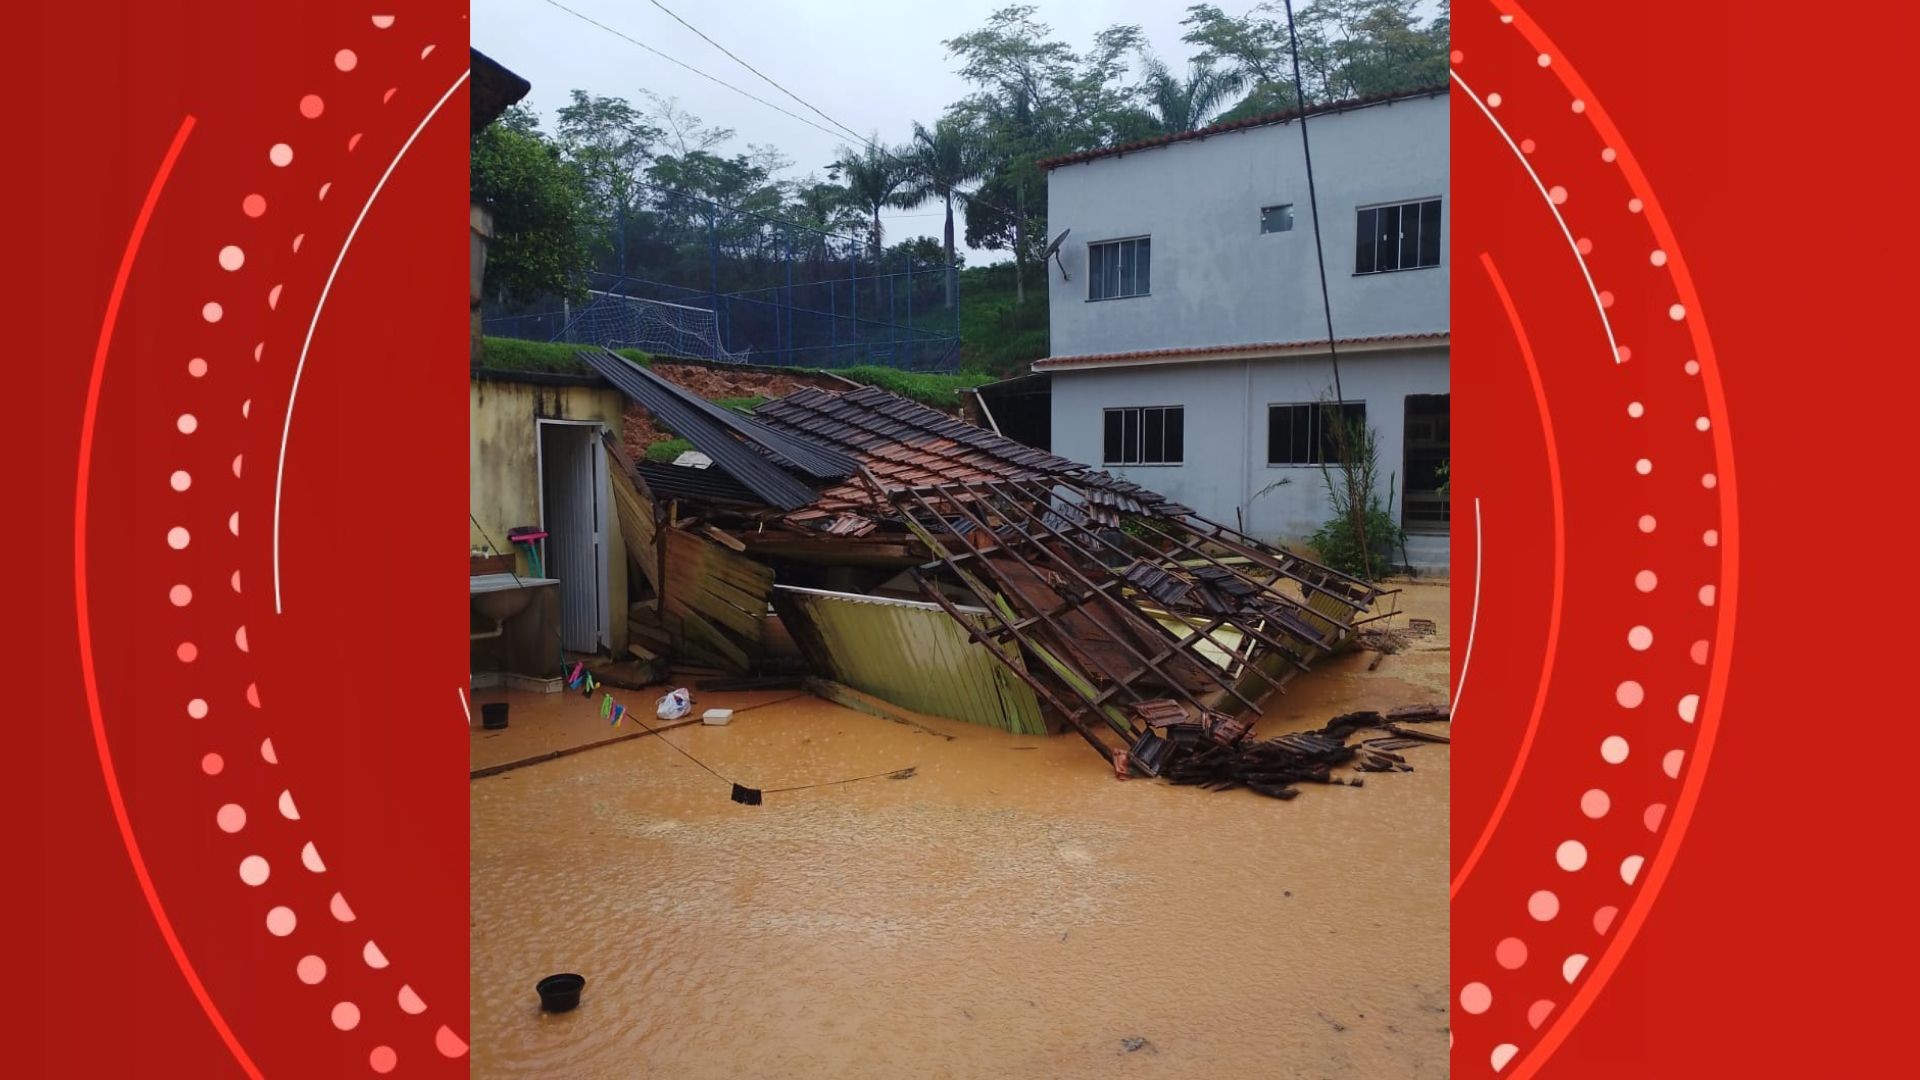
column 1011, row 910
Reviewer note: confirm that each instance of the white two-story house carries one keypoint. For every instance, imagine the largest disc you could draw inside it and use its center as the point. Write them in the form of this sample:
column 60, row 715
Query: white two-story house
column 1189, row 341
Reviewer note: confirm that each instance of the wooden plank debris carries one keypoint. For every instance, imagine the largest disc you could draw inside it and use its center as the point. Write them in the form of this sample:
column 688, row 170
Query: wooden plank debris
column 635, row 513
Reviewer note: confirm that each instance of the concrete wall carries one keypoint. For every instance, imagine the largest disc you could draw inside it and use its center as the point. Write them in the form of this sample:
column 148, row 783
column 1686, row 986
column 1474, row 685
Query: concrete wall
column 1226, row 428
column 504, row 475
column 1216, row 279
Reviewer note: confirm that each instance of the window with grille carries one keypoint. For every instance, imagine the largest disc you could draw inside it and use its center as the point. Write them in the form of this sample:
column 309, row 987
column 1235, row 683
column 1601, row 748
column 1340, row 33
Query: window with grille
column 1119, row 268
column 1404, row 236
column 1152, row 435
column 1305, row 435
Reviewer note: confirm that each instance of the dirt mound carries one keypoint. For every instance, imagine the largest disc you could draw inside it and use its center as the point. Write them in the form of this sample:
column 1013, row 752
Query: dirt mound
column 715, row 383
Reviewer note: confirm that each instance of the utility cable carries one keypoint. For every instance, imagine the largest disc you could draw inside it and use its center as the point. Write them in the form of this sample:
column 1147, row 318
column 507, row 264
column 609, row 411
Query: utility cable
column 763, row 76
column 1313, row 202
column 1357, row 513
column 969, row 196
column 690, row 67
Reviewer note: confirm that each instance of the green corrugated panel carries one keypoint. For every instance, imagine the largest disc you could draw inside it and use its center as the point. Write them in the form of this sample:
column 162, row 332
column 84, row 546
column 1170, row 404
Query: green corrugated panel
column 914, row 655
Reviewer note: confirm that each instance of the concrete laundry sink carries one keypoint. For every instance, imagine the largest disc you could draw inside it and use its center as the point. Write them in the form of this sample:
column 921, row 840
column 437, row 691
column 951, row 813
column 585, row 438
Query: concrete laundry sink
column 499, row 597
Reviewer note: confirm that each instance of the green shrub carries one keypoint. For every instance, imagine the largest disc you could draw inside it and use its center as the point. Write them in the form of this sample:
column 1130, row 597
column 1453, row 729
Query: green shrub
column 998, row 335
column 548, row 357
column 927, row 388
column 1336, row 546
column 1361, row 536
column 664, row 451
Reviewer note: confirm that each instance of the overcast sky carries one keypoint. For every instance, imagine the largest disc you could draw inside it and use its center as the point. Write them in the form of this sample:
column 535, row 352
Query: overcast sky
column 871, row 66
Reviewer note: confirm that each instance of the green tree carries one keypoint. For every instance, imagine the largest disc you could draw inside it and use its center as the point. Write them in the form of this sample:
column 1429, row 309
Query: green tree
column 1360, row 536
column 610, row 142
column 1184, row 104
column 1035, row 97
column 678, row 126
column 543, row 226
column 1365, row 47
column 873, row 178
column 939, row 162
column 1348, row 48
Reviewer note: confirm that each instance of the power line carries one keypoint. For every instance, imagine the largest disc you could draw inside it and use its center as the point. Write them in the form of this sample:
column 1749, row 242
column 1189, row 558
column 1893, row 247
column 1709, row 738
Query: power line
column 1326, row 298
column 864, row 139
column 869, row 142
column 1313, row 205
column 763, row 76
column 690, row 67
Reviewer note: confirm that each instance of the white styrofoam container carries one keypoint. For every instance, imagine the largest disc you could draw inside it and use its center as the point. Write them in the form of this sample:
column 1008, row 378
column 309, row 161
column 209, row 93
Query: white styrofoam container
column 716, row 717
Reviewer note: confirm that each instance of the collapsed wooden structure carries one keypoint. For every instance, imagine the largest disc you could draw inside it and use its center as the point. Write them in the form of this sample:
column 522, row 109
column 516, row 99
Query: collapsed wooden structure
column 1149, row 631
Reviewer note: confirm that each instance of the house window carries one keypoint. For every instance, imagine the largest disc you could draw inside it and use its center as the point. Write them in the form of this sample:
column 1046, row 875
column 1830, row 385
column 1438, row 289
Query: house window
column 1119, row 268
column 1155, row 435
column 1404, row 236
column 1304, row 434
column 1276, row 218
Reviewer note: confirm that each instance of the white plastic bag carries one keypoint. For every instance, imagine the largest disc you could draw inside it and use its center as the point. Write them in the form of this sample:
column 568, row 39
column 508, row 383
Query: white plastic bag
column 674, row 704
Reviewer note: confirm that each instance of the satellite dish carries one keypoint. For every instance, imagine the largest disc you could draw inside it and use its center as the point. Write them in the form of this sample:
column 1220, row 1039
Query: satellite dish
column 1053, row 252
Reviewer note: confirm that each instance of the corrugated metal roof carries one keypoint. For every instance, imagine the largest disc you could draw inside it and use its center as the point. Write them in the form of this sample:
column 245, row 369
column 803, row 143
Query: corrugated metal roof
column 704, row 485
column 916, row 656
column 751, row 453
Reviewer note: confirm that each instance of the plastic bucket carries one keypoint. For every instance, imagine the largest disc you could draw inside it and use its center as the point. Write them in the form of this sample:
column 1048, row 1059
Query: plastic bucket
column 560, row 993
column 493, row 715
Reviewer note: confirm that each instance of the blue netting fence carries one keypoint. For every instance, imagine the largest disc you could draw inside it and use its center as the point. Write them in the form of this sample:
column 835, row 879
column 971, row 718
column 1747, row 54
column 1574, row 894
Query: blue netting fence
column 718, row 283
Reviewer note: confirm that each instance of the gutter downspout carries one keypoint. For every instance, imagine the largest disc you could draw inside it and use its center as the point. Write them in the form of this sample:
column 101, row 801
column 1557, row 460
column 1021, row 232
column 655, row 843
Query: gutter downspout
column 1246, row 450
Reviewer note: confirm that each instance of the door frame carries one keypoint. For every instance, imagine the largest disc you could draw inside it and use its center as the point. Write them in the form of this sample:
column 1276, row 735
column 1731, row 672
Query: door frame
column 603, row 633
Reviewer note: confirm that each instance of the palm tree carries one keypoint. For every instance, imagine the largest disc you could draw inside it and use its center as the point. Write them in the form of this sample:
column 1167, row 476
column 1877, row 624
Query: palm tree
column 1186, row 104
column 873, row 177
column 822, row 208
column 939, row 162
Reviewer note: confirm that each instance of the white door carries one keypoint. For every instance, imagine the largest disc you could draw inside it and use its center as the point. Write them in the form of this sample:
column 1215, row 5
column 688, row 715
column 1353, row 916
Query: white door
column 572, row 511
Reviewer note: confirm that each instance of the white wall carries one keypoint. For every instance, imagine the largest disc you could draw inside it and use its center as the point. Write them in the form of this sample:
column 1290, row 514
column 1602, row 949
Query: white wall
column 1216, row 279
column 1226, row 427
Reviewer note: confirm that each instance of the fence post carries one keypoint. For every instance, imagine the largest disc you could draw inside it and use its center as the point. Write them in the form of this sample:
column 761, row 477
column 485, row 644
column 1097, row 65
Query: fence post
column 713, row 278
column 787, row 234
